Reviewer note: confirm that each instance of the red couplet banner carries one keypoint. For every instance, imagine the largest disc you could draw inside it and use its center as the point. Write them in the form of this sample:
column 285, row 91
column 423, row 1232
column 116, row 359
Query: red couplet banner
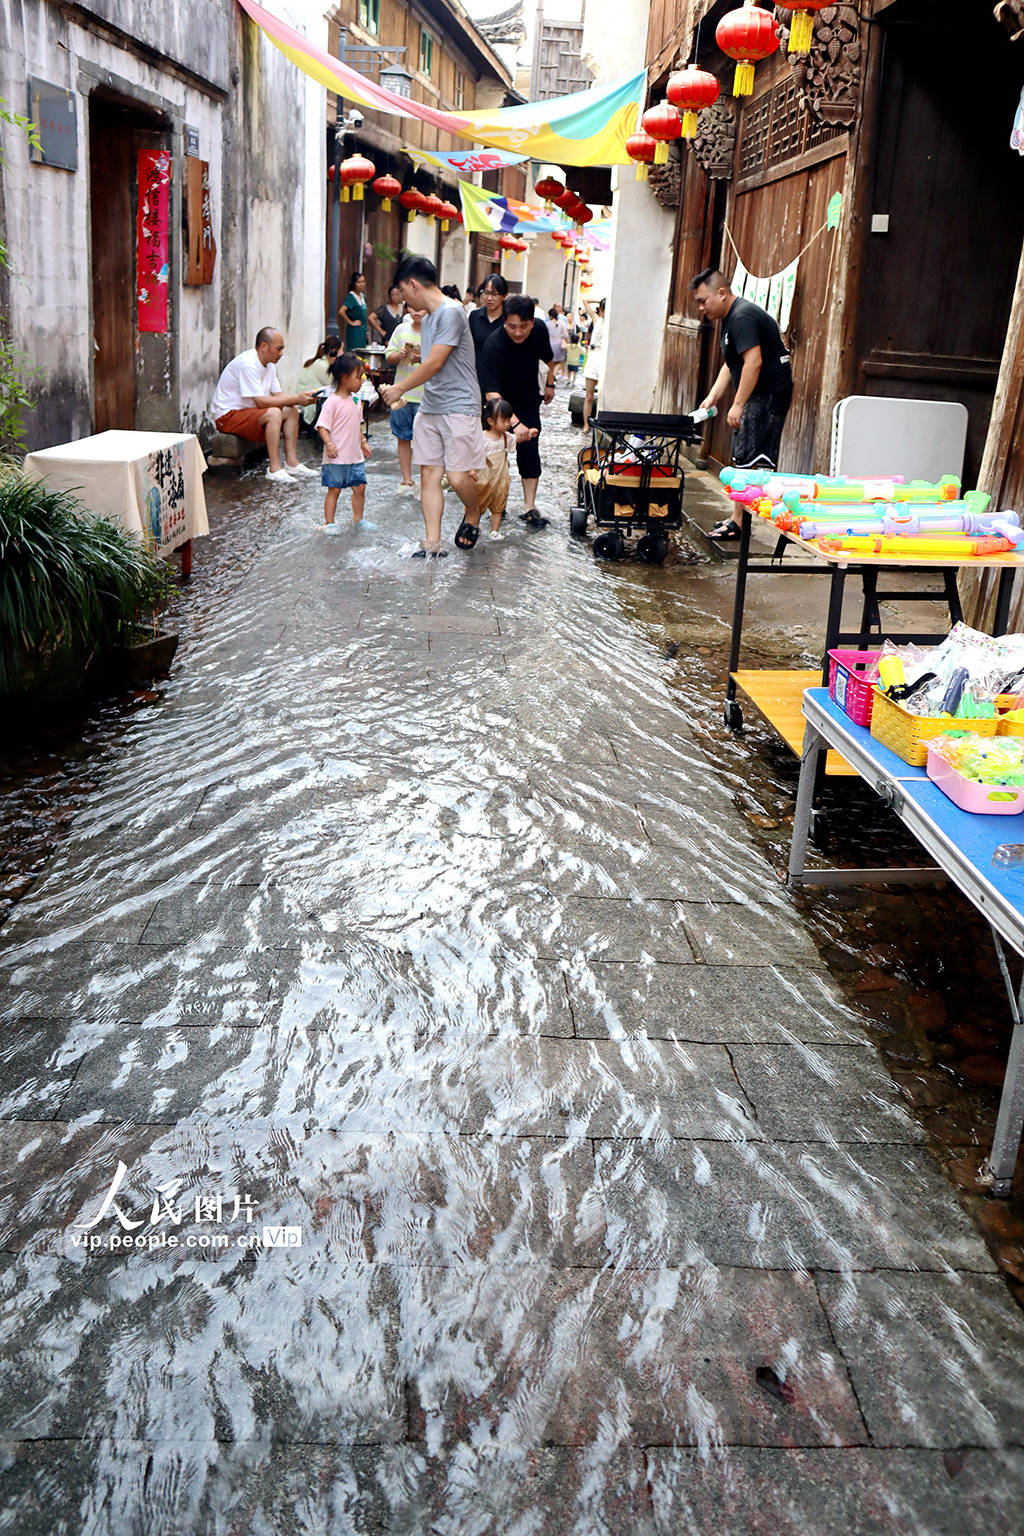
column 153, row 226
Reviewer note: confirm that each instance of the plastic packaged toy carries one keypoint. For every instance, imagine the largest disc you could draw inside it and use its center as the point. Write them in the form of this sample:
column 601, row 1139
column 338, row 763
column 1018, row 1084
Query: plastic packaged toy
column 981, row 774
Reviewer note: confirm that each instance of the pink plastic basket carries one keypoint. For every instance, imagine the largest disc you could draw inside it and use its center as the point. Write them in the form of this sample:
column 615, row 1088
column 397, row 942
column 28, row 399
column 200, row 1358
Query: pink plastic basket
column 968, row 794
column 851, row 679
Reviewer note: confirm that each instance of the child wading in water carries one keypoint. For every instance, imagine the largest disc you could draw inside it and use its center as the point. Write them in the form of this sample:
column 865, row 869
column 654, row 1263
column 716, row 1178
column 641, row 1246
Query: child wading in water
column 345, row 448
column 492, row 482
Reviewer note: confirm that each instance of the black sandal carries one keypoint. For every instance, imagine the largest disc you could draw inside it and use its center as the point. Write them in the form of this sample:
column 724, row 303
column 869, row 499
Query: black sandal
column 533, row 519
column 724, row 530
column 466, row 535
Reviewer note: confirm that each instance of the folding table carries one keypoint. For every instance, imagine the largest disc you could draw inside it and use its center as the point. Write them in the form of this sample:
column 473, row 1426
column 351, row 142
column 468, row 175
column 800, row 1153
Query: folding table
column 982, row 855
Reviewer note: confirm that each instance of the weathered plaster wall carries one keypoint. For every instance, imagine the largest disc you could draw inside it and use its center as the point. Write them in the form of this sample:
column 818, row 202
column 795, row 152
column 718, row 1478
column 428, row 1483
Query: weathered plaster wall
column 263, row 137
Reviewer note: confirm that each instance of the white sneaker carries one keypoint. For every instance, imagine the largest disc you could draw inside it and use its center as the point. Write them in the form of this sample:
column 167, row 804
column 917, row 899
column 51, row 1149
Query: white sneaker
column 497, row 537
column 332, row 528
column 279, row 476
column 364, row 522
column 301, row 470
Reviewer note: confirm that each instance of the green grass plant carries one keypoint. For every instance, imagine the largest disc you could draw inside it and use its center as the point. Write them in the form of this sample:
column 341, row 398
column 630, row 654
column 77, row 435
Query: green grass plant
column 71, row 584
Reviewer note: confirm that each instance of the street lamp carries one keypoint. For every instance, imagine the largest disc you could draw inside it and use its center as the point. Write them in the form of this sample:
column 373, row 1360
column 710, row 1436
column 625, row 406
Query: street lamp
column 397, row 80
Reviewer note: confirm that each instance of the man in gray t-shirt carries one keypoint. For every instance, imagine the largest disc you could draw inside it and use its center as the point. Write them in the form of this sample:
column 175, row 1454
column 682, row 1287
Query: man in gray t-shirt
column 447, row 432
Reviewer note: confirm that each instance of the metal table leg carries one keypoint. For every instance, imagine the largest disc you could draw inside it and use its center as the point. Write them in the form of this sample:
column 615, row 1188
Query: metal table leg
column 810, row 763
column 1004, row 592
column 733, row 714
column 834, row 622
column 997, row 1173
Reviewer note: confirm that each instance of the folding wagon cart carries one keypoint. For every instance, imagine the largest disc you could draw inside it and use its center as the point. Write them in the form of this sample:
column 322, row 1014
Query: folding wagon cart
column 629, row 480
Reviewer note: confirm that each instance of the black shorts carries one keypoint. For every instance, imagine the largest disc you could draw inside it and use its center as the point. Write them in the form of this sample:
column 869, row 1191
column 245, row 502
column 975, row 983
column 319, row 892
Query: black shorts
column 528, row 454
column 755, row 444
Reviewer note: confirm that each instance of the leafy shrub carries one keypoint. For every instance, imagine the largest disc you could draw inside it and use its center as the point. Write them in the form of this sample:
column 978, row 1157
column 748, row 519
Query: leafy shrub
column 71, row 583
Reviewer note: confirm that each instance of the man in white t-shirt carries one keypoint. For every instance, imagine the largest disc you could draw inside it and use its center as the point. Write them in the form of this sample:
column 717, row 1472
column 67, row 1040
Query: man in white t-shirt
column 249, row 402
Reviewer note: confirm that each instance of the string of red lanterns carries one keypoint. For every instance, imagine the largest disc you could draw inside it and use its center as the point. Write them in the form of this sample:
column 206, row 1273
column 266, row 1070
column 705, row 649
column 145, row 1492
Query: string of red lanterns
column 747, row 35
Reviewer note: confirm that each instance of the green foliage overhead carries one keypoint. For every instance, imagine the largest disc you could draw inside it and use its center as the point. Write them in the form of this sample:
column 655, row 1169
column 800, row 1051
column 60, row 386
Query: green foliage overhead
column 71, row 583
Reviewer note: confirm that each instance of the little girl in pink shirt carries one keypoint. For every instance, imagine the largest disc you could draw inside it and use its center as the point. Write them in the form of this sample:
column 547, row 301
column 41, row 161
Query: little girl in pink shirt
column 340, row 425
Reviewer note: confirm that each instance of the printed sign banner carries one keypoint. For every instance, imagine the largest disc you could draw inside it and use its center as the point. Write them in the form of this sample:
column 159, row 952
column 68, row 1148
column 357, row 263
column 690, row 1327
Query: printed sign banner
column 740, row 279
column 153, row 239
column 160, row 482
column 774, row 295
column 788, row 277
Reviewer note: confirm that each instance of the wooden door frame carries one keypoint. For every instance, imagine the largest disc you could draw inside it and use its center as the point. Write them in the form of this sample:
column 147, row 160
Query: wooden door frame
column 152, row 113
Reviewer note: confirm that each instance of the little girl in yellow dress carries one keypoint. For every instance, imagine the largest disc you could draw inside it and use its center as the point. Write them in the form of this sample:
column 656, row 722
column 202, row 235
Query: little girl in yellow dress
column 492, row 482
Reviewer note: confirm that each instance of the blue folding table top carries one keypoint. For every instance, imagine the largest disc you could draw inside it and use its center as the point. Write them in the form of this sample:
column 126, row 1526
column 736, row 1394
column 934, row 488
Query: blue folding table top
column 995, row 885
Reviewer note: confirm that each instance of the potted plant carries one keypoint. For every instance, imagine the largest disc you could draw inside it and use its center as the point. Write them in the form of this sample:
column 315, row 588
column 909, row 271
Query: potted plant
column 73, row 586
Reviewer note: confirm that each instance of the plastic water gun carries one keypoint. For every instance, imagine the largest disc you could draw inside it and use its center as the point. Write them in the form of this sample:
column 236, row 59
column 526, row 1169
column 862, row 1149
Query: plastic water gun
column 954, row 547
column 742, row 479
column 910, row 525
column 946, row 489
column 794, row 512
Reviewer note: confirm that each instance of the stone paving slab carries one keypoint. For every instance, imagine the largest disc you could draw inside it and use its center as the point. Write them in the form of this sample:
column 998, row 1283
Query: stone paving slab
column 183, row 985
column 95, row 1340
column 747, row 935
column 784, row 1207
column 662, row 1356
column 935, row 1359
column 710, row 1004
column 610, row 929
column 823, row 1093
column 604, row 1088
column 862, row 1492
column 369, row 1490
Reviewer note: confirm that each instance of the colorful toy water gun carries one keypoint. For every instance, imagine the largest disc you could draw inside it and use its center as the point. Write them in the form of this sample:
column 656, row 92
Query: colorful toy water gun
column 946, row 489
column 953, row 546
column 794, row 513
column 743, row 479
column 910, row 525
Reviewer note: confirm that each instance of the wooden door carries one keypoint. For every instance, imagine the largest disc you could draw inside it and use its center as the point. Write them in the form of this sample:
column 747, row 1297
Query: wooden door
column 111, row 206
column 938, row 285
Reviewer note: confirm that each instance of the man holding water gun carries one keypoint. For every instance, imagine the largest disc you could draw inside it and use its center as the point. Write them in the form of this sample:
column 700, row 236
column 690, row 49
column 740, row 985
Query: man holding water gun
column 757, row 363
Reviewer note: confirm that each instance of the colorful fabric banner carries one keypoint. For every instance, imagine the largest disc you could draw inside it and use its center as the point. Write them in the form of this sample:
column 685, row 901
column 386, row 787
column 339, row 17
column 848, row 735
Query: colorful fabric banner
column 486, row 213
column 152, row 229
column 587, row 128
column 467, row 161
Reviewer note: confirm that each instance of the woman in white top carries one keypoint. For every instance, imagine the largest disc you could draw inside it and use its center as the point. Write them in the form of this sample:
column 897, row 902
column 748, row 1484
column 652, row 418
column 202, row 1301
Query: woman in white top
column 595, row 358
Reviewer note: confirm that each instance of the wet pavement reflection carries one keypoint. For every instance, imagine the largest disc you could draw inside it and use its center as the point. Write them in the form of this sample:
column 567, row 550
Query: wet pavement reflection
column 423, row 1109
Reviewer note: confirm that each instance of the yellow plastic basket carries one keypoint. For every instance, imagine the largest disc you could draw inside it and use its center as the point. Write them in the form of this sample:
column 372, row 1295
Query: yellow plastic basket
column 908, row 735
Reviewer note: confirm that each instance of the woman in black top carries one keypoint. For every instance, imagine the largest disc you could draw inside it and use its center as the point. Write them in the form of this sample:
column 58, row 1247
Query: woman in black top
column 483, row 322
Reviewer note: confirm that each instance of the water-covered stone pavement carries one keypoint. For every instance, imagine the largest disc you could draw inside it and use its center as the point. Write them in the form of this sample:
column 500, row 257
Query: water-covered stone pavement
column 414, row 930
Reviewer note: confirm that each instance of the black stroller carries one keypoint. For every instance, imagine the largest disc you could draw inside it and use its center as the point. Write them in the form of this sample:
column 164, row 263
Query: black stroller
column 628, row 479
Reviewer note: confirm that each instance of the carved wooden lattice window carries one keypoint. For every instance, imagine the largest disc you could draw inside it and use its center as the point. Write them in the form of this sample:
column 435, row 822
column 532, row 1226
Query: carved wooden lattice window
column 775, row 128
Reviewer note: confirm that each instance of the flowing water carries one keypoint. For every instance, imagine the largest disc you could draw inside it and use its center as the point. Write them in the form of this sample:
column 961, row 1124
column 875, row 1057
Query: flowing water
column 424, row 1109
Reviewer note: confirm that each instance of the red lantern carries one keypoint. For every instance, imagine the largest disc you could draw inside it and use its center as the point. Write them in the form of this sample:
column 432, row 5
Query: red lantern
column 354, row 171
column 448, row 212
column 332, row 171
column 690, row 89
column 641, row 149
column 747, row 35
column 801, row 30
column 507, row 242
column 586, row 214
column 565, row 200
column 549, row 188
column 662, row 123
column 413, row 201
column 387, row 187
column 432, row 206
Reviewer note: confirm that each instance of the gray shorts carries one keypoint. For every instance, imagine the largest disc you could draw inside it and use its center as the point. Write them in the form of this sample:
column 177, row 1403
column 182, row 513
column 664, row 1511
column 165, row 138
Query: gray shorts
column 451, row 442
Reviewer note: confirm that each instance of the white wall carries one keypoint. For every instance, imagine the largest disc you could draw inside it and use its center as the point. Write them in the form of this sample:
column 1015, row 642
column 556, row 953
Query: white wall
column 635, row 276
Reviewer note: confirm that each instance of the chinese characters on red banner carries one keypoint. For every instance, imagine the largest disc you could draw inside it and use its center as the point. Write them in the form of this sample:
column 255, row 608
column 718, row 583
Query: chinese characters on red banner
column 153, row 236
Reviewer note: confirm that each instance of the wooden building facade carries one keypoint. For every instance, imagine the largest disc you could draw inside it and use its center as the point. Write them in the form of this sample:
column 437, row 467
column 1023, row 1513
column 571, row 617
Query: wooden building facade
column 452, row 68
column 918, row 292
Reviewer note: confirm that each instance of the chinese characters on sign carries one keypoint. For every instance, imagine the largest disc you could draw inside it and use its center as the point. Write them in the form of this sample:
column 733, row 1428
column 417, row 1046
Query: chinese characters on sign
column 173, row 1222
column 160, row 483
column 153, row 238
column 197, row 217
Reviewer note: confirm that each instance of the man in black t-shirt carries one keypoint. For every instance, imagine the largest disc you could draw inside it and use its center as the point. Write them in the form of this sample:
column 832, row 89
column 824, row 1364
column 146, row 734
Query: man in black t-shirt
column 757, row 363
column 509, row 368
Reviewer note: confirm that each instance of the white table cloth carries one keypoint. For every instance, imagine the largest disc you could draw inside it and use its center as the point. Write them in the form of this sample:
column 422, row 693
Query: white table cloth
column 151, row 483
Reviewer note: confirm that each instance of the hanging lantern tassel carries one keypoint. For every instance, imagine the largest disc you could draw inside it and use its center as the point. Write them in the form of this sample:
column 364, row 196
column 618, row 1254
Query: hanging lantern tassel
column 357, row 192
column 801, row 34
column 344, row 192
